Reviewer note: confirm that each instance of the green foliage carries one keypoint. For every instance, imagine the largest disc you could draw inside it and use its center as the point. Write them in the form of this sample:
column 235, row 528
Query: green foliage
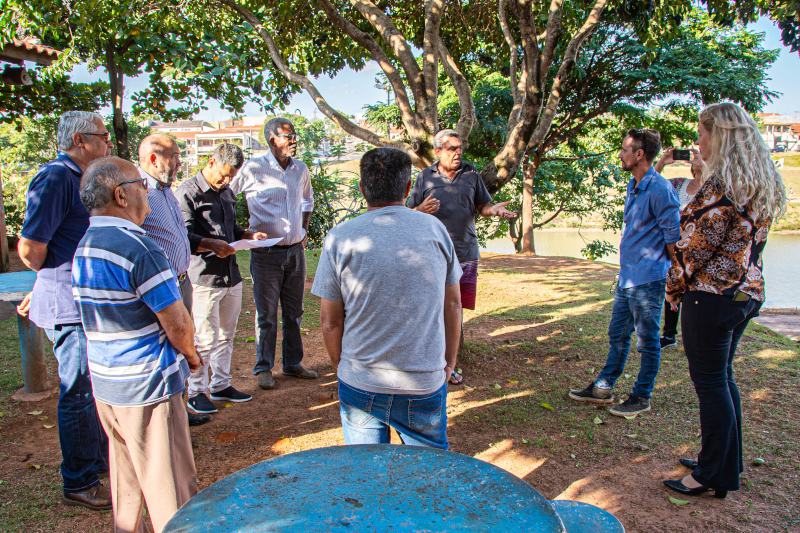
column 323, row 218
column 136, row 134
column 598, row 249
column 29, row 144
column 337, row 151
column 49, row 94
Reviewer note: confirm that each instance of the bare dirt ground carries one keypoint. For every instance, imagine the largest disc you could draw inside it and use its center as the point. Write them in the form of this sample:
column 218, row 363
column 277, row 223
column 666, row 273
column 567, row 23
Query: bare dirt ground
column 539, row 329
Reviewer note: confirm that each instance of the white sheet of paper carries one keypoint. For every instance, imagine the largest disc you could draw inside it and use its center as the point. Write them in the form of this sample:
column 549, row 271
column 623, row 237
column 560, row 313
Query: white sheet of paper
column 252, row 243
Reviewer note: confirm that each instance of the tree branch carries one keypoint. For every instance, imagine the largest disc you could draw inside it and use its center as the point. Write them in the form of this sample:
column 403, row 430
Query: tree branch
column 390, row 34
column 564, row 133
column 551, row 35
column 298, row 79
column 516, row 92
column 571, row 52
column 467, row 119
column 410, row 118
column 578, row 158
column 430, row 63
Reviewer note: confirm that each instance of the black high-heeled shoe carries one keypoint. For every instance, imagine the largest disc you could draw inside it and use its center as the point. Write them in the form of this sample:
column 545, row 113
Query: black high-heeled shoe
column 691, row 464
column 678, row 486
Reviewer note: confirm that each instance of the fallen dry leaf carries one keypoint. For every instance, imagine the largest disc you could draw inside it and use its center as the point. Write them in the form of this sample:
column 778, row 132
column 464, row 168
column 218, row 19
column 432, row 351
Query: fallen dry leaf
column 548, row 407
column 597, row 420
column 227, row 436
column 676, row 501
column 35, row 413
column 49, row 426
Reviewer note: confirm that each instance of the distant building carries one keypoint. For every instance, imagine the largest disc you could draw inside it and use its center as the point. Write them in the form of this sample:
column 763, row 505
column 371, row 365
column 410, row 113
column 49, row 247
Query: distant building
column 780, row 130
column 199, row 126
column 244, row 136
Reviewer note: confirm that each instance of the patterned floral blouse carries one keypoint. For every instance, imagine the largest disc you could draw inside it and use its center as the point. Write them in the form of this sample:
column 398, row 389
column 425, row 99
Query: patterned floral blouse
column 720, row 248
column 681, row 185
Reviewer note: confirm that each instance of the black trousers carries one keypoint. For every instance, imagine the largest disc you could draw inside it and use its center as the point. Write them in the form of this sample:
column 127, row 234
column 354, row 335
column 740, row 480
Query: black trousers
column 712, row 326
column 670, row 321
column 279, row 276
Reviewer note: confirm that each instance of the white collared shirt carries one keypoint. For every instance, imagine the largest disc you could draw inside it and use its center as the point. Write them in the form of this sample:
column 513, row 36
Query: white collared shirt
column 276, row 198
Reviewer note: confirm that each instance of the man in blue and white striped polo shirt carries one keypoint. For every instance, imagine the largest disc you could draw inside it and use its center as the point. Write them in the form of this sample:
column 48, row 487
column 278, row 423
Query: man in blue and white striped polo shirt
column 140, row 347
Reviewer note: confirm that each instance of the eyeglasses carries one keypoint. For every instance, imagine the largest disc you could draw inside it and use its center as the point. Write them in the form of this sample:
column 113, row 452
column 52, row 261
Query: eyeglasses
column 138, row 180
column 290, row 136
column 106, row 136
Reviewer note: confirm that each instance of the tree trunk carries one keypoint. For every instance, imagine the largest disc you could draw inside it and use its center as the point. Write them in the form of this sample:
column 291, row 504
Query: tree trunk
column 116, row 82
column 514, row 231
column 5, row 264
column 528, row 171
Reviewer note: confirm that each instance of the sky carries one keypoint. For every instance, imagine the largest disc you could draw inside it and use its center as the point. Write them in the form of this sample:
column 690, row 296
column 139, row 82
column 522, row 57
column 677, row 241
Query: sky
column 350, row 90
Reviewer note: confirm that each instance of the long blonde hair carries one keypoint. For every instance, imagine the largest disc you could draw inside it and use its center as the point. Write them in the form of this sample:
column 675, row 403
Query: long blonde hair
column 740, row 159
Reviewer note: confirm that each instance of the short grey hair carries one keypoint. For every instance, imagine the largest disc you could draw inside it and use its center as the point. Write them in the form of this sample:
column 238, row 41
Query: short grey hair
column 73, row 122
column 228, row 154
column 273, row 125
column 99, row 180
column 148, row 143
column 438, row 139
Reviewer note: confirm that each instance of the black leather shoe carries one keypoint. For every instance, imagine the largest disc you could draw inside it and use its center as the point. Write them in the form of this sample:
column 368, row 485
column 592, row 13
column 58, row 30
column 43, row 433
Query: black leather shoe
column 678, row 486
column 197, row 420
column 691, row 464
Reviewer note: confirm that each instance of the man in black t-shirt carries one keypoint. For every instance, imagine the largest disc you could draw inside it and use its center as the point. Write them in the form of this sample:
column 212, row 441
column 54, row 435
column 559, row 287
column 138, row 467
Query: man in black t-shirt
column 453, row 191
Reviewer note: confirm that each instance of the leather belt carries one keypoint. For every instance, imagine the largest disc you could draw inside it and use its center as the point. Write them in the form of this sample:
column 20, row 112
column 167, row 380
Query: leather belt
column 284, row 246
column 182, row 277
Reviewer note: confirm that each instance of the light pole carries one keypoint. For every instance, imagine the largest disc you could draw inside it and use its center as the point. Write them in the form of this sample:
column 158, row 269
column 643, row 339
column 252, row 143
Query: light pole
column 388, row 88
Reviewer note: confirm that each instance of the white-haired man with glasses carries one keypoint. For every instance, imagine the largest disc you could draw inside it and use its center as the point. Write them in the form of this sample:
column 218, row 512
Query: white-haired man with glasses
column 55, row 222
column 280, row 200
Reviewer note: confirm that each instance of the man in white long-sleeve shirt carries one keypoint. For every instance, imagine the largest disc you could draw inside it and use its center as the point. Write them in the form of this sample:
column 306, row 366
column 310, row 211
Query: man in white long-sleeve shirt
column 280, row 200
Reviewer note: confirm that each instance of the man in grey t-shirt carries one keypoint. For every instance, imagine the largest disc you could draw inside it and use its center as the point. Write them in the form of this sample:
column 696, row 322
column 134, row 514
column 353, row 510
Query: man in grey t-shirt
column 391, row 311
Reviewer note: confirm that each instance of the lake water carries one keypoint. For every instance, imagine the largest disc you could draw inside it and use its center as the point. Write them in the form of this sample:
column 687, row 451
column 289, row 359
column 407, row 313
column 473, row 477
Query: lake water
column 781, row 258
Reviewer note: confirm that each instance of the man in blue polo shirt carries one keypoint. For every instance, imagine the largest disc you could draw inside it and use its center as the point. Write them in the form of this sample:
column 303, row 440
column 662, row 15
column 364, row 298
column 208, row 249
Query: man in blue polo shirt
column 652, row 227
column 55, row 221
column 140, row 348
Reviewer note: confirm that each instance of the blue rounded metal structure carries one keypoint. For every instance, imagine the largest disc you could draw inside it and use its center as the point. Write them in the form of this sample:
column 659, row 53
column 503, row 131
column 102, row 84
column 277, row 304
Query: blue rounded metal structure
column 579, row 517
column 369, row 488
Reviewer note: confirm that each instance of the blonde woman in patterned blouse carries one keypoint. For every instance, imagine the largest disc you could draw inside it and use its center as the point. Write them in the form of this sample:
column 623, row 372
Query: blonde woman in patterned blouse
column 717, row 274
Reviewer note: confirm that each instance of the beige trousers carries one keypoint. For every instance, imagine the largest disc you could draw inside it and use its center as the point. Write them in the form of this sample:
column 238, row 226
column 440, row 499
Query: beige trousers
column 150, row 452
column 216, row 313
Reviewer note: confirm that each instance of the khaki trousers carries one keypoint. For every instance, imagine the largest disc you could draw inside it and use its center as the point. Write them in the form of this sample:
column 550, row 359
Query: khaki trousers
column 150, row 452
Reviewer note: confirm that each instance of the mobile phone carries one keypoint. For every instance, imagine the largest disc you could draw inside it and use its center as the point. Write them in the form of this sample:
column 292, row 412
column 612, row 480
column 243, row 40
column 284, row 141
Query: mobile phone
column 681, row 155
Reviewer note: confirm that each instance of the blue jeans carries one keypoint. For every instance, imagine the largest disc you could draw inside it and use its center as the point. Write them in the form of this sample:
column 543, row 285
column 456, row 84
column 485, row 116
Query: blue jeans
column 84, row 444
column 279, row 276
column 419, row 420
column 636, row 308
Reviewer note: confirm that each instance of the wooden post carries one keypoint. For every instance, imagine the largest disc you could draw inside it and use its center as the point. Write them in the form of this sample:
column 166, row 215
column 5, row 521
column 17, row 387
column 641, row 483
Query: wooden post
column 31, row 347
column 5, row 264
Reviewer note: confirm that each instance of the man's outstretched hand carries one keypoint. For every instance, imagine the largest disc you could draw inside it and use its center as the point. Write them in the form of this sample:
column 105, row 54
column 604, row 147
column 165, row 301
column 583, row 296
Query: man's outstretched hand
column 430, row 205
column 498, row 210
